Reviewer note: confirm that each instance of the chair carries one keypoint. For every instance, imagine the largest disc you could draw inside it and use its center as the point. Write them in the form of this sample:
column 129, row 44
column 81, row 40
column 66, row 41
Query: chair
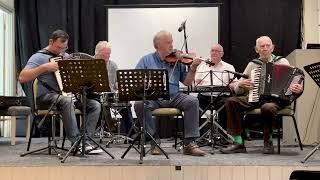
column 13, row 112
column 171, row 112
column 40, row 113
column 286, row 111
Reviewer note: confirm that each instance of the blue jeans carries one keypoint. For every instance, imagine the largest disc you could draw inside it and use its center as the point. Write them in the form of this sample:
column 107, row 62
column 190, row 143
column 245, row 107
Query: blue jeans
column 186, row 103
column 66, row 106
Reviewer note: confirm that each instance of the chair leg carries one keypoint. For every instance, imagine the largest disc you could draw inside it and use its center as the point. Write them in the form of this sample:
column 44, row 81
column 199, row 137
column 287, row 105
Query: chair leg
column 176, row 134
column 27, row 128
column 61, row 129
column 31, row 131
column 279, row 122
column 297, row 132
column 13, row 129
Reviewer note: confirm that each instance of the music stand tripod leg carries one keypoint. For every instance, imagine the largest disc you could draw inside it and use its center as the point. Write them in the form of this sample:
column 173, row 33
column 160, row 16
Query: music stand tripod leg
column 116, row 137
column 142, row 134
column 311, row 153
column 84, row 135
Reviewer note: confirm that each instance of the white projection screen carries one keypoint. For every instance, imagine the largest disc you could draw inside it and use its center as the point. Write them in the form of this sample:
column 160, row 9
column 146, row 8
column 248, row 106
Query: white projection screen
column 130, row 29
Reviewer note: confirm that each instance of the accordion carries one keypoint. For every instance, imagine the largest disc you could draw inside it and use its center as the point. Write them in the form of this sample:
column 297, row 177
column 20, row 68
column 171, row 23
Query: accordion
column 272, row 83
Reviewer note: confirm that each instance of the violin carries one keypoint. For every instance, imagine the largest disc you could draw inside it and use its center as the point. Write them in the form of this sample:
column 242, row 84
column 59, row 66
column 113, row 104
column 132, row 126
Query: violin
column 183, row 58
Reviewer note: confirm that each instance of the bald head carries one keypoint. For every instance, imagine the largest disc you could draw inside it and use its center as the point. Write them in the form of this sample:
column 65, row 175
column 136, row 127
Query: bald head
column 216, row 53
column 264, row 48
column 263, row 39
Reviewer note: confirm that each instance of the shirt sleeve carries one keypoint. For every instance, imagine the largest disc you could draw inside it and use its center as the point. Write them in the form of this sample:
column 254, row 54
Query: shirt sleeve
column 141, row 64
column 33, row 62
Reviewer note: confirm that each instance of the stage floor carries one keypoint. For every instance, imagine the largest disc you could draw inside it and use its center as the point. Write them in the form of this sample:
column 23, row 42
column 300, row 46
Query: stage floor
column 289, row 156
column 250, row 166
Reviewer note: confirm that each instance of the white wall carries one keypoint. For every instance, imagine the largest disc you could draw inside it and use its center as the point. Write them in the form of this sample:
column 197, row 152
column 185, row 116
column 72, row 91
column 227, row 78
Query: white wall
column 131, row 30
column 311, row 22
column 8, row 3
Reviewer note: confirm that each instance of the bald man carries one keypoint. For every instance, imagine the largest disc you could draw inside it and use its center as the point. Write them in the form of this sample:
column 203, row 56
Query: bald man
column 235, row 105
column 219, row 77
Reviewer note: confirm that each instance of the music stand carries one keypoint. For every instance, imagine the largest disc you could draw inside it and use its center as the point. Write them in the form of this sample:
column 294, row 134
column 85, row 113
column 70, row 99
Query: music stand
column 211, row 106
column 314, row 71
column 82, row 76
column 142, row 85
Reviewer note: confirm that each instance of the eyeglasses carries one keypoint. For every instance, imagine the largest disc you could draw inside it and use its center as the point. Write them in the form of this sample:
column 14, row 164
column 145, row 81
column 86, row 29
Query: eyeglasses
column 60, row 46
column 215, row 50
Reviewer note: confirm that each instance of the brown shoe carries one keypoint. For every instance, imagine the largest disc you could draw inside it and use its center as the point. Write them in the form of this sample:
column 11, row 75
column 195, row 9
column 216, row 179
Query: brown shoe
column 193, row 150
column 234, row 148
column 155, row 150
column 268, row 147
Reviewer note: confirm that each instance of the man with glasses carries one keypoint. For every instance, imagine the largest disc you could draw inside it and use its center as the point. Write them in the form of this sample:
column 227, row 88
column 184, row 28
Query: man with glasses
column 215, row 71
column 39, row 66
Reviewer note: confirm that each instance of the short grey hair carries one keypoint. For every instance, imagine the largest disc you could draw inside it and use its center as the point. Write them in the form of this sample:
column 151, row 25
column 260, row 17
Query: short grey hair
column 158, row 37
column 263, row 37
column 101, row 45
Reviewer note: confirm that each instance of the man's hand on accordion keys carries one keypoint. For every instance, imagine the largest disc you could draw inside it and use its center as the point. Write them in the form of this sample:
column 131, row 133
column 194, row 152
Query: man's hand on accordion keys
column 51, row 66
column 246, row 84
column 296, row 88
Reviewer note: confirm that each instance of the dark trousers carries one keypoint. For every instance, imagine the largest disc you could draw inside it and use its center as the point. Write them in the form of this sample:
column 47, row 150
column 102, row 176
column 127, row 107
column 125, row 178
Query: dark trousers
column 204, row 102
column 235, row 106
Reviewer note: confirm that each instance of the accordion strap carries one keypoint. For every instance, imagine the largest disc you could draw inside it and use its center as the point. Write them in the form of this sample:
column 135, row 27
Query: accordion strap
column 257, row 61
column 47, row 52
column 274, row 60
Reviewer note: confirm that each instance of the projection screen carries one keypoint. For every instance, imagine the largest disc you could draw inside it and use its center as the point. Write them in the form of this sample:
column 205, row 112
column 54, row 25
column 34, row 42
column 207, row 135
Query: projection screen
column 130, row 29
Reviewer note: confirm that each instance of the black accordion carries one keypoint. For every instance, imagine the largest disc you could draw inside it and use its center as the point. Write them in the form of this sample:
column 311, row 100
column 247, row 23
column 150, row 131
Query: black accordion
column 272, row 83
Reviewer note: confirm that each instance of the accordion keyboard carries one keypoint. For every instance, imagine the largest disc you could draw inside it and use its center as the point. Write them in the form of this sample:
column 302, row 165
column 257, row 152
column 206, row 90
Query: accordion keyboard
column 255, row 77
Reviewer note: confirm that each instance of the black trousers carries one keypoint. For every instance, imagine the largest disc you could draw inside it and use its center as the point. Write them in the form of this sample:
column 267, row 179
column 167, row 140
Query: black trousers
column 204, row 103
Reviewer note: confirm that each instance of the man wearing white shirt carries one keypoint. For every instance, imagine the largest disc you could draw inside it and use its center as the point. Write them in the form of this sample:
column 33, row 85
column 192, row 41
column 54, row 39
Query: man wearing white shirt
column 220, row 77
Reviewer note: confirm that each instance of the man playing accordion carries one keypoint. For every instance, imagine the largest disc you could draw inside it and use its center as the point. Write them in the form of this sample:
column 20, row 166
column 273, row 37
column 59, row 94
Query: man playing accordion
column 235, row 105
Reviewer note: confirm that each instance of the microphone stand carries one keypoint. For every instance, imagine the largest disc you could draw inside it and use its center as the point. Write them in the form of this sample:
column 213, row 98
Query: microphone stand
column 185, row 45
column 185, row 40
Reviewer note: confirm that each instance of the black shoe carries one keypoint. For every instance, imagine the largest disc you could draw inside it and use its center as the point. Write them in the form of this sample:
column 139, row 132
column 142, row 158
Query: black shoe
column 234, row 148
column 268, row 147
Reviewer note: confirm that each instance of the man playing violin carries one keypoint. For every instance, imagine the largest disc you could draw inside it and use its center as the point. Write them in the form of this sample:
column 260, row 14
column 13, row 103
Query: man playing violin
column 163, row 44
column 219, row 78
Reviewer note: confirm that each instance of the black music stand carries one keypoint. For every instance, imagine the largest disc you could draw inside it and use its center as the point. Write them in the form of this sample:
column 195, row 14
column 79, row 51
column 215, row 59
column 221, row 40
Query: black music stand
column 82, row 76
column 211, row 106
column 314, row 71
column 143, row 85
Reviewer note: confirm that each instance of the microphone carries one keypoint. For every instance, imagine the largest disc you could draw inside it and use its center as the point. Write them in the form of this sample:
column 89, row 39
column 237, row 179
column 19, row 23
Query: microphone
column 209, row 62
column 238, row 74
column 182, row 26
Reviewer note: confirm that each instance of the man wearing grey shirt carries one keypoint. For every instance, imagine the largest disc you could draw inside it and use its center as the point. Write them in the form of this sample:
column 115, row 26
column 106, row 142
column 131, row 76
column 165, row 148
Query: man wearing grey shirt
column 103, row 51
column 39, row 66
